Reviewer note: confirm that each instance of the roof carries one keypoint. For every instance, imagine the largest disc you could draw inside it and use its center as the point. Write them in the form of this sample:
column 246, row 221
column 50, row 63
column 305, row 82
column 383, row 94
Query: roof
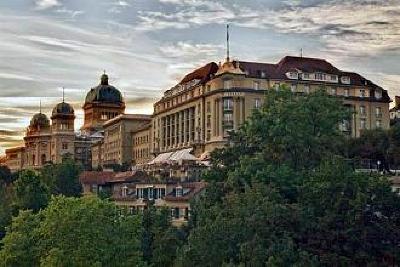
column 63, row 108
column 104, row 93
column 203, row 74
column 15, row 149
column 128, row 117
column 192, row 189
column 104, row 177
column 183, row 154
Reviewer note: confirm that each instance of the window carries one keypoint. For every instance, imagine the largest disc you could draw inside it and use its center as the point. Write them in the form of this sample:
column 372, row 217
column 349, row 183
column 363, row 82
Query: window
column 346, row 92
column 64, row 145
column 64, row 126
column 208, row 124
column 263, row 74
column 362, row 111
column 228, row 103
column 378, row 94
column 179, row 191
column 208, row 88
column 333, row 91
column 306, row 76
column 228, row 117
column 378, row 124
column 345, row 80
column 227, row 84
column 378, row 112
column 319, row 76
column 104, row 116
column 363, row 124
column 306, row 89
column 257, row 103
column 293, row 88
column 345, row 126
column 292, row 75
column 208, row 107
column 334, row 78
column 256, row 85
column 362, row 93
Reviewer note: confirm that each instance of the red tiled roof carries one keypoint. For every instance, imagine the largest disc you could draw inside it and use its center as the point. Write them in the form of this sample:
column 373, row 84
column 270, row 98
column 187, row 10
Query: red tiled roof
column 195, row 188
column 103, row 177
column 202, row 73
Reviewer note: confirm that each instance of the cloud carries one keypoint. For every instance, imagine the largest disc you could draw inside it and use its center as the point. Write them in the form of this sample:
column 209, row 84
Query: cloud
column 189, row 50
column 357, row 28
column 46, row 4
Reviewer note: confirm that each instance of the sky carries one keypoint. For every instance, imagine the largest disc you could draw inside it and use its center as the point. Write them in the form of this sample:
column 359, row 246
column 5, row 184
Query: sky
column 147, row 46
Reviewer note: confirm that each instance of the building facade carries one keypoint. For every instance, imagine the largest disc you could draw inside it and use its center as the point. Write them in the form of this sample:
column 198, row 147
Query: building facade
column 213, row 100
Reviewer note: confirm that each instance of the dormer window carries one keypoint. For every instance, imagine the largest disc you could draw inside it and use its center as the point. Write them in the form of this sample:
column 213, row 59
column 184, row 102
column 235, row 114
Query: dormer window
column 345, row 79
column 333, row 78
column 306, row 76
column 320, row 76
column 378, row 94
column 292, row 75
column 362, row 93
column 179, row 191
column 263, row 74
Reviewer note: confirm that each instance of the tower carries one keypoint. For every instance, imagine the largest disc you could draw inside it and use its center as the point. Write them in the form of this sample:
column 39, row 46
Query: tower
column 62, row 131
column 102, row 103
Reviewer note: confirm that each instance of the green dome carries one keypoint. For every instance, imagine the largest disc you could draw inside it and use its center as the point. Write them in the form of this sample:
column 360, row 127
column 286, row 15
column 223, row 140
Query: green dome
column 39, row 119
column 104, row 93
column 63, row 109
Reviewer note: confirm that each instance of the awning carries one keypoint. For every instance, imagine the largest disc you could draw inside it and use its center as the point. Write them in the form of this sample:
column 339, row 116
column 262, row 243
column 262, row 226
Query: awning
column 183, row 154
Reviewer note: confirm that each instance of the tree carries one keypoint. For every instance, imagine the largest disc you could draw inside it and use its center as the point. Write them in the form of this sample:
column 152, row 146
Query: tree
column 90, row 231
column 63, row 178
column 30, row 191
column 6, row 192
column 5, row 175
column 160, row 240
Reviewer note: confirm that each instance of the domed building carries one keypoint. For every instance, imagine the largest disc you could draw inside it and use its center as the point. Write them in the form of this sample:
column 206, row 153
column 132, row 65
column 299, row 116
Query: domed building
column 37, row 141
column 102, row 103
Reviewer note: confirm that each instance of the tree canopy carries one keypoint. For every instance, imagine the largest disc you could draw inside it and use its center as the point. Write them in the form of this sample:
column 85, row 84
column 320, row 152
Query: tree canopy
column 73, row 232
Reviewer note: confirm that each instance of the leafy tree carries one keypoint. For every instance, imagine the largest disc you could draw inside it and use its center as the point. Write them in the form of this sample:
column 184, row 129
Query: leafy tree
column 90, row 231
column 5, row 175
column 30, row 191
column 63, row 178
column 160, row 240
column 373, row 145
column 6, row 192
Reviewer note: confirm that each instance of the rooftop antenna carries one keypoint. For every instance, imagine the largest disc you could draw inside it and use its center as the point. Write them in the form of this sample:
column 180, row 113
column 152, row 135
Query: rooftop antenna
column 227, row 42
column 63, row 93
column 40, row 105
column 301, row 52
column 104, row 71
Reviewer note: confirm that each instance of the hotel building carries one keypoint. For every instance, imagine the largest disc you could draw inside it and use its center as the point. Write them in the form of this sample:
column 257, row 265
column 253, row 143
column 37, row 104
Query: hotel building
column 200, row 111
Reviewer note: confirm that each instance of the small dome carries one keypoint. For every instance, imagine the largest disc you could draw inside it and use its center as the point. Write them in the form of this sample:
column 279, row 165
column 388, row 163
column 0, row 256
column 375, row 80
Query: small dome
column 39, row 119
column 63, row 109
column 104, row 93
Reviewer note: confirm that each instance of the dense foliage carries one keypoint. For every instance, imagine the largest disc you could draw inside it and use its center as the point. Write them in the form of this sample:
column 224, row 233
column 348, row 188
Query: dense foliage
column 73, row 232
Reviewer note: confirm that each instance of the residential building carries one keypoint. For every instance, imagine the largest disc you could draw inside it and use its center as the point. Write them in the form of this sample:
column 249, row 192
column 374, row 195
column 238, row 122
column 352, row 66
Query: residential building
column 395, row 111
column 136, row 191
